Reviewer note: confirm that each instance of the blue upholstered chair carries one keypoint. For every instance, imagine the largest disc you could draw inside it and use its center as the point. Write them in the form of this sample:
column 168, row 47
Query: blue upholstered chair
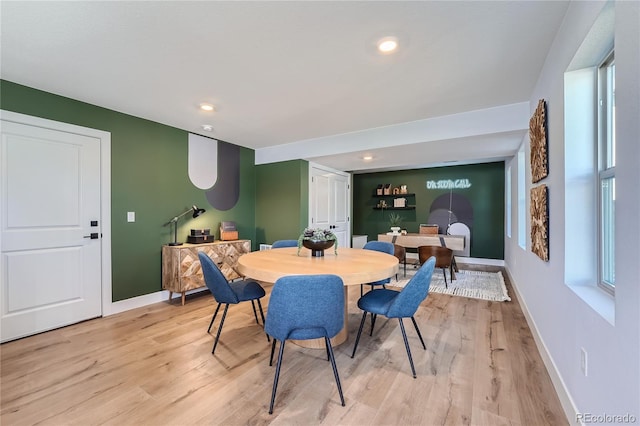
column 304, row 307
column 284, row 243
column 229, row 293
column 398, row 304
column 384, row 247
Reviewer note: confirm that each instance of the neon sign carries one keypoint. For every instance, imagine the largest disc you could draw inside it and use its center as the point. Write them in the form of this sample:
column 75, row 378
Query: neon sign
column 449, row 184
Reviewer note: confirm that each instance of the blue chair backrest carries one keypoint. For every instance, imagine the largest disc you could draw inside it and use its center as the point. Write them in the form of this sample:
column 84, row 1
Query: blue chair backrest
column 406, row 303
column 284, row 243
column 306, row 307
column 216, row 281
column 382, row 246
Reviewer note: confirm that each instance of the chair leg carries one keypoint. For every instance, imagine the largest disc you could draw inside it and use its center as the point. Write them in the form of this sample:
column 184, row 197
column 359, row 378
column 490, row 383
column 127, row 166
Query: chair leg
column 361, row 290
column 335, row 369
column 273, row 349
column 355, row 346
column 213, row 318
column 415, row 324
column 255, row 313
column 275, row 379
column 406, row 345
column 373, row 323
column 444, row 273
column 262, row 316
column 224, row 315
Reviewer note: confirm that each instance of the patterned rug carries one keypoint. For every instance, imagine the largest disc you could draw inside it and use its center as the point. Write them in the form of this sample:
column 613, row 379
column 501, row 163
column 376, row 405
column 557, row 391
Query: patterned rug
column 474, row 284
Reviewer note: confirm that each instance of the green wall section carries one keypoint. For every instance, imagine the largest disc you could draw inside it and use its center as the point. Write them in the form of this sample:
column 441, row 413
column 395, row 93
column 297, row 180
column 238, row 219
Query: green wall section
column 282, row 200
column 149, row 177
column 486, row 195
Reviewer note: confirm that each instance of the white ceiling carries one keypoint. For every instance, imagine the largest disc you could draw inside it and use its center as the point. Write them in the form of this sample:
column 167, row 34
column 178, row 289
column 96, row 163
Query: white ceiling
column 299, row 79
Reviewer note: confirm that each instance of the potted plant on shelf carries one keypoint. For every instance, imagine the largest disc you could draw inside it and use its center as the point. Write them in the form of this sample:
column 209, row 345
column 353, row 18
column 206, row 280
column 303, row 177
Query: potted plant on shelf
column 395, row 220
column 317, row 240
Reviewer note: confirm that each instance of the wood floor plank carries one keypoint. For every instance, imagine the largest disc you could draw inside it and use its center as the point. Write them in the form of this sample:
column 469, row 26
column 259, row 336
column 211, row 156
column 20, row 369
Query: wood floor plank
column 153, row 366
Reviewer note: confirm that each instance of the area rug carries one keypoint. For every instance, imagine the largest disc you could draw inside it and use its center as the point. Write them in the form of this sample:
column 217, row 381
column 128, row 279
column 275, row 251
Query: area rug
column 474, row 284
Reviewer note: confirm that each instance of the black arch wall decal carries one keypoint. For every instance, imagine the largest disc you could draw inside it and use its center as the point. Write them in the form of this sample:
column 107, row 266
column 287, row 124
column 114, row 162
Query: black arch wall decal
column 226, row 191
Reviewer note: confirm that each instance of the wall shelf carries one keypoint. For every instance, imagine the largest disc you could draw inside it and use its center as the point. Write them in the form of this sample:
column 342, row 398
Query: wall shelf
column 395, row 208
column 394, row 195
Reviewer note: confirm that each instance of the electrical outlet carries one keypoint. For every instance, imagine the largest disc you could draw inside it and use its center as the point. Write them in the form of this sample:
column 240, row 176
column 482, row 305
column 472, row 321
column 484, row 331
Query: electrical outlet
column 131, row 216
column 583, row 361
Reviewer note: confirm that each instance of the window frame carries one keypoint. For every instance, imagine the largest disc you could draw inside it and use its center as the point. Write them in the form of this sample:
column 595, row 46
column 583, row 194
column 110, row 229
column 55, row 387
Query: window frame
column 606, row 173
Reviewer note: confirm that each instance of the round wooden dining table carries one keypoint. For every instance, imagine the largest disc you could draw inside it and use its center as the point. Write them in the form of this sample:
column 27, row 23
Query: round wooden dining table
column 354, row 266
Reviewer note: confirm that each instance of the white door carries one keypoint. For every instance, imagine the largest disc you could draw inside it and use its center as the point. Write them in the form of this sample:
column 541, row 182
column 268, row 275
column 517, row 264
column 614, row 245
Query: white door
column 329, row 200
column 50, row 266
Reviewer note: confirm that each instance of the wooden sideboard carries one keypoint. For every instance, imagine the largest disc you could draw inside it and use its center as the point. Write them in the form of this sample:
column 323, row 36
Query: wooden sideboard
column 181, row 270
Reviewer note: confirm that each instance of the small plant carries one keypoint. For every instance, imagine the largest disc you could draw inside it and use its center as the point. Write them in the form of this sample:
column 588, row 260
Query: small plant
column 318, row 234
column 395, row 219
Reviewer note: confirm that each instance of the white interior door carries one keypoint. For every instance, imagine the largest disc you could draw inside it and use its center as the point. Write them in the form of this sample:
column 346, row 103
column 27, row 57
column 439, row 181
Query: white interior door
column 50, row 266
column 329, row 202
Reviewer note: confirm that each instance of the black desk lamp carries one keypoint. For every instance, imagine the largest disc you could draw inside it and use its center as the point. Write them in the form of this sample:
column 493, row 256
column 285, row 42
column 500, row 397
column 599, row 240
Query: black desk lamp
column 196, row 212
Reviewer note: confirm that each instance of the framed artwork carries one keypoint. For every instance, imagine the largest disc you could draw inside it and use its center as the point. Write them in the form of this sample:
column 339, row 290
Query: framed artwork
column 538, row 143
column 539, row 207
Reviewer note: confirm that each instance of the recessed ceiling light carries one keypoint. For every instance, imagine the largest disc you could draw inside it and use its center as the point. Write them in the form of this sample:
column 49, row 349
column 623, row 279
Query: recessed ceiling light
column 387, row 45
column 207, row 127
column 207, row 107
column 367, row 157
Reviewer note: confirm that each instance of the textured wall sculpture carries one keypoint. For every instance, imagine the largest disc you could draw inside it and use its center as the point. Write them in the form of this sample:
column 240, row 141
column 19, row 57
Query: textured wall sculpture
column 538, row 143
column 539, row 207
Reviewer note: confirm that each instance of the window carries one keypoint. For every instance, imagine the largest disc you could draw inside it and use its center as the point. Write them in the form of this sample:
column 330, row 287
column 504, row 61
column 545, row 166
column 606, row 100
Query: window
column 606, row 172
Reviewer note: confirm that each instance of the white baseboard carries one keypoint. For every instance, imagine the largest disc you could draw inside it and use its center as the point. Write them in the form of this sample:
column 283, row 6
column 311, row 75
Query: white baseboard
column 566, row 401
column 144, row 300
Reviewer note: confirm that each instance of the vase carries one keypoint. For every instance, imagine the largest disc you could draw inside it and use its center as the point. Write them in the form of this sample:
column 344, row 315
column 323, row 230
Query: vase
column 317, row 247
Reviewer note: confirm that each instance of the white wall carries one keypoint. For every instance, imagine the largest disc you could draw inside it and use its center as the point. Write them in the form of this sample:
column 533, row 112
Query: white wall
column 563, row 322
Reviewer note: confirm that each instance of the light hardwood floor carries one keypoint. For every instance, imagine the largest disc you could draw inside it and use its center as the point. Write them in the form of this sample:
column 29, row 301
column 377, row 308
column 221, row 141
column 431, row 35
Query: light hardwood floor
column 153, row 366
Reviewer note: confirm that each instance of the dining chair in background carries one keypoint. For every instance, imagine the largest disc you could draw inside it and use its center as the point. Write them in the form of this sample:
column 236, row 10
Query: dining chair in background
column 284, row 243
column 304, row 307
column 229, row 293
column 384, row 247
column 398, row 304
column 444, row 259
column 401, row 253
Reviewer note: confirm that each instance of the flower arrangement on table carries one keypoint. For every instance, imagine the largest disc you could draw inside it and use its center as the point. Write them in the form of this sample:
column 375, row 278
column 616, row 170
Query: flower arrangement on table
column 318, row 235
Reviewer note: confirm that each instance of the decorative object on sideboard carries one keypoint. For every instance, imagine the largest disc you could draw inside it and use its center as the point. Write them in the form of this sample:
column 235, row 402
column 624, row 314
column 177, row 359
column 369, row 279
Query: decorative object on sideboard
column 228, row 231
column 403, row 189
column 174, row 222
column 386, row 190
column 379, row 190
column 540, row 222
column 394, row 221
column 396, row 190
column 199, row 236
column 539, row 143
column 317, row 240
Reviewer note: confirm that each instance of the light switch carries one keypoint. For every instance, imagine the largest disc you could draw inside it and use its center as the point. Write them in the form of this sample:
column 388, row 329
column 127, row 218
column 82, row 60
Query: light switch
column 131, row 216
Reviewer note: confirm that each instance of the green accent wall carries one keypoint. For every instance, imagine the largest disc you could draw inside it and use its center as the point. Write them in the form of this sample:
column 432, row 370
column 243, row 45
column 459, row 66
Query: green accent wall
column 148, row 176
column 486, row 196
column 282, row 200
